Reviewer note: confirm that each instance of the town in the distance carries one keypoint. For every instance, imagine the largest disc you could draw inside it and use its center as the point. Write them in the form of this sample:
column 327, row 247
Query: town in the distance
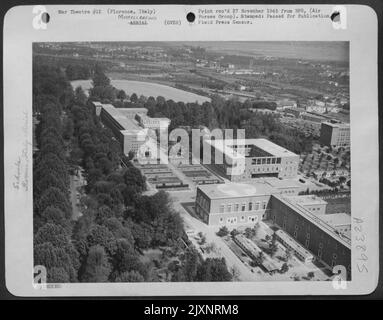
column 122, row 188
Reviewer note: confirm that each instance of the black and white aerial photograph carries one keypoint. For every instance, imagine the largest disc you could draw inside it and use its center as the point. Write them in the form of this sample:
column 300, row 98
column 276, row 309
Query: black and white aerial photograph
column 191, row 161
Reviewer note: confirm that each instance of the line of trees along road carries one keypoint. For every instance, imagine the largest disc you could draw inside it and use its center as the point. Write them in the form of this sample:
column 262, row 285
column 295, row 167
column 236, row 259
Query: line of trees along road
column 118, row 222
column 53, row 247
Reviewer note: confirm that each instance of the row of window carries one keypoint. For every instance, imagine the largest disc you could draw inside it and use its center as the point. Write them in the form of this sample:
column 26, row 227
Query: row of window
column 289, row 191
column 308, row 234
column 266, row 161
column 243, row 207
column 313, row 209
column 204, row 203
column 234, row 220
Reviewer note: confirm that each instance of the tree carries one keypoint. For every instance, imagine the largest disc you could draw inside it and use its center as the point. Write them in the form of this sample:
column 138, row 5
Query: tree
column 134, row 178
column 342, row 179
column 54, row 197
column 101, row 236
column 223, row 231
column 213, row 269
column 234, row 232
column 49, row 256
column 103, row 93
column 284, row 268
column 97, row 266
column 99, row 78
column 273, row 247
column 68, row 129
column 80, row 96
column 121, row 95
column 130, row 276
column 57, row 275
column 131, row 155
column 52, row 233
column 55, row 216
column 249, row 233
column 126, row 259
column 192, row 261
column 133, row 98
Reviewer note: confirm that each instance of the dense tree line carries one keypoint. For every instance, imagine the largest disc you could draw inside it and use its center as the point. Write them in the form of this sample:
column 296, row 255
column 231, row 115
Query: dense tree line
column 229, row 114
column 78, row 72
column 102, row 90
column 118, row 221
column 194, row 268
column 49, row 86
column 53, row 247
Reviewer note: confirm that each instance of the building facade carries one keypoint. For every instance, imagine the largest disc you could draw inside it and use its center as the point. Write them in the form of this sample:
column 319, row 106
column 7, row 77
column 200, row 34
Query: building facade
column 232, row 204
column 246, row 159
column 235, row 204
column 335, row 134
column 323, row 240
column 130, row 133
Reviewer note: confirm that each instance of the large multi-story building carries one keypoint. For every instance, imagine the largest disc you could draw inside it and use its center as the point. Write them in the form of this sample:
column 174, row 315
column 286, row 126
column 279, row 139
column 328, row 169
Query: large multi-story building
column 335, row 134
column 246, row 159
column 311, row 202
column 317, row 235
column 304, row 218
column 128, row 131
column 152, row 123
column 232, row 203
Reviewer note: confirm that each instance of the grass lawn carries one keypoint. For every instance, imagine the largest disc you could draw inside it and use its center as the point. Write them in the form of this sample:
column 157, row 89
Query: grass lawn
column 339, row 205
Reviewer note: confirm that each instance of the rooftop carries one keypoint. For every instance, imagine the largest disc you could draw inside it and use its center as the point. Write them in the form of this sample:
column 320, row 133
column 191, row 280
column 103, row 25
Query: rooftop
column 133, row 110
column 146, row 117
column 336, row 124
column 125, row 122
column 284, row 183
column 293, row 243
column 226, row 146
column 326, row 227
column 307, row 200
column 336, row 219
column 235, row 190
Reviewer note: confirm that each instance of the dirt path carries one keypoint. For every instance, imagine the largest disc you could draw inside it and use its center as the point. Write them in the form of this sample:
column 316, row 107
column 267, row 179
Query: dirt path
column 76, row 182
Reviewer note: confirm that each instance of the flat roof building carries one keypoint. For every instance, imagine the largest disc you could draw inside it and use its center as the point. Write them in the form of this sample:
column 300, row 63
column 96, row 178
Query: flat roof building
column 285, row 186
column 232, row 203
column 335, row 133
column 122, row 121
column 312, row 232
column 246, row 159
column 340, row 221
column 152, row 123
column 311, row 203
column 236, row 204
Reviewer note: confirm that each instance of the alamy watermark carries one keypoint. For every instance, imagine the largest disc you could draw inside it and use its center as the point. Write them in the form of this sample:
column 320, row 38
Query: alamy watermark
column 205, row 146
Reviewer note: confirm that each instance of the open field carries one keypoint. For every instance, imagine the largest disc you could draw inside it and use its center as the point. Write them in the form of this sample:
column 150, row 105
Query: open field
column 336, row 205
column 147, row 89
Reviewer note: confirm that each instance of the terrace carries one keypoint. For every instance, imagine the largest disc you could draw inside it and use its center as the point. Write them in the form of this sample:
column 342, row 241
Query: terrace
column 199, row 174
column 161, row 177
